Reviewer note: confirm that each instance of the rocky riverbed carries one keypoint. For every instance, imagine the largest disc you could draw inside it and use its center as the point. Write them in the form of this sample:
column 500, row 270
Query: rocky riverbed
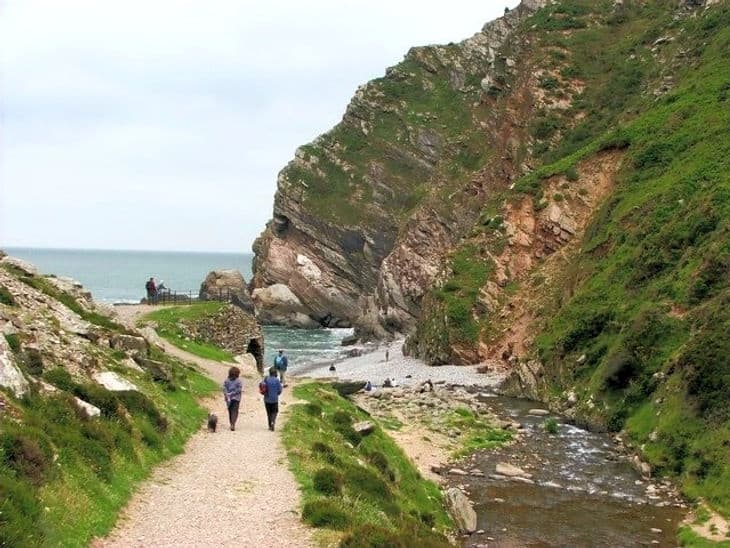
column 528, row 486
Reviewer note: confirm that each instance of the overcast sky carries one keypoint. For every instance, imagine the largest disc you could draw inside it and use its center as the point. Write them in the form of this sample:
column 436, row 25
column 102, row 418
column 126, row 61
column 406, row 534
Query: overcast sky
column 162, row 124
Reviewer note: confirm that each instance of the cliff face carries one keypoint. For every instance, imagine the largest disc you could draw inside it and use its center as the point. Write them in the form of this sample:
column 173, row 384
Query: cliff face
column 364, row 214
column 549, row 196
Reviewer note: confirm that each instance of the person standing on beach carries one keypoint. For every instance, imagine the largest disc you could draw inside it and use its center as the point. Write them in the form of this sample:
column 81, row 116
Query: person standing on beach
column 272, row 391
column 281, row 363
column 232, row 390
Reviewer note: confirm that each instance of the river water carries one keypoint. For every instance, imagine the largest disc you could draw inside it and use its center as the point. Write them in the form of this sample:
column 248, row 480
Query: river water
column 585, row 493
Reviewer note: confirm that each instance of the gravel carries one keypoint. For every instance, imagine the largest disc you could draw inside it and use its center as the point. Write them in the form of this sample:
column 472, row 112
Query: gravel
column 406, row 371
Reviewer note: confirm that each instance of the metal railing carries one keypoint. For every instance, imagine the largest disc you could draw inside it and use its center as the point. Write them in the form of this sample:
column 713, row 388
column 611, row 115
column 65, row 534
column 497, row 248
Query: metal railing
column 169, row 296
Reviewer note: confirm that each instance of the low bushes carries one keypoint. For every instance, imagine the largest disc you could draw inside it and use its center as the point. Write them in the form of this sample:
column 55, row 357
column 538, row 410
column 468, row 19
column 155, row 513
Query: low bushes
column 363, row 487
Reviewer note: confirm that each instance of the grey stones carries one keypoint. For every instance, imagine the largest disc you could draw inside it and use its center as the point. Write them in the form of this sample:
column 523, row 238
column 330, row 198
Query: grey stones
column 511, row 471
column 462, row 510
column 538, row 412
column 132, row 345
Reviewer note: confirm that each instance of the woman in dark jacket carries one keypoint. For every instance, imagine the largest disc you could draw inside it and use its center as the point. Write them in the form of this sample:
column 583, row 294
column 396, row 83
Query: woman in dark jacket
column 271, row 396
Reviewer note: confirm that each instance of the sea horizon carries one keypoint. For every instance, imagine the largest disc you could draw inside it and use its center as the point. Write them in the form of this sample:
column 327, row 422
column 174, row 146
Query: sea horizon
column 116, row 276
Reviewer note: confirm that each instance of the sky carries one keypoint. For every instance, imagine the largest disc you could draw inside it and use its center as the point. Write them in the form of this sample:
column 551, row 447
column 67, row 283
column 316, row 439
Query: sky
column 162, row 124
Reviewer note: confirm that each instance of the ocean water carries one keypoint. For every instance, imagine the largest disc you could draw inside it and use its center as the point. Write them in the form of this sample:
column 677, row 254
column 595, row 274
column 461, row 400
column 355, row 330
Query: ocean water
column 119, row 277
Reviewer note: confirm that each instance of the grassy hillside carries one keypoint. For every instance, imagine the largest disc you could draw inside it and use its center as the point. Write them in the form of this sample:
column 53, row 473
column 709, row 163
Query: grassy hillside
column 637, row 322
column 359, row 490
column 65, row 475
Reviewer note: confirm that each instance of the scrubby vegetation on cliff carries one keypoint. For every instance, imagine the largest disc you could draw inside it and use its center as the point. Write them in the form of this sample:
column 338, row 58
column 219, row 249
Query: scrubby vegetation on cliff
column 637, row 323
column 361, row 490
column 71, row 449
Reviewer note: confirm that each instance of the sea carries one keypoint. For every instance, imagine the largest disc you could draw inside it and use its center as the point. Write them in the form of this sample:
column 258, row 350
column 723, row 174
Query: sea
column 118, row 277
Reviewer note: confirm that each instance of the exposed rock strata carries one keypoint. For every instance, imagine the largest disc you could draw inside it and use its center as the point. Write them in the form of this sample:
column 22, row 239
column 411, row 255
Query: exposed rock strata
column 359, row 228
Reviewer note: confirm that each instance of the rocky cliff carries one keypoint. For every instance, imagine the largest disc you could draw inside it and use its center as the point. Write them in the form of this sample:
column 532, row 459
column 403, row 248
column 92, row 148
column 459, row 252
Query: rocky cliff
column 551, row 195
column 364, row 214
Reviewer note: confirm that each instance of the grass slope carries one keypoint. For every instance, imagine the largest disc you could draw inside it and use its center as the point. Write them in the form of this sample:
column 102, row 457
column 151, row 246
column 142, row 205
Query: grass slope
column 64, row 476
column 168, row 320
column 362, row 491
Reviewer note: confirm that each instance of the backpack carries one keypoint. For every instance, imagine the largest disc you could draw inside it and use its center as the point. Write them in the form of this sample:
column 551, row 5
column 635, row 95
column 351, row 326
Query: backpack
column 263, row 387
column 278, row 361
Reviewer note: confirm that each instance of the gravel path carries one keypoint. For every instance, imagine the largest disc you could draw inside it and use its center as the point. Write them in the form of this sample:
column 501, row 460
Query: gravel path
column 373, row 367
column 226, row 489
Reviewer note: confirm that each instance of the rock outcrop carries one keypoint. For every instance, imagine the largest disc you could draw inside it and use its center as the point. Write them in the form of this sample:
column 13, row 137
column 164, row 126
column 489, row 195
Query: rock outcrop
column 364, row 215
column 226, row 285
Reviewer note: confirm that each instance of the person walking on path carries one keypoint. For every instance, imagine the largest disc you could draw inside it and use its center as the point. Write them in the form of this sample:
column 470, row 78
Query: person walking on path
column 272, row 391
column 281, row 362
column 232, row 390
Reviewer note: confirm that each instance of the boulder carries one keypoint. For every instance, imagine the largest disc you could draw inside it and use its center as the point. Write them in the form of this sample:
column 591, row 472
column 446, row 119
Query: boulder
column 226, row 285
column 364, row 428
column 113, row 381
column 538, row 412
column 461, row 510
column 129, row 344
column 278, row 305
column 511, row 471
column 24, row 266
column 10, row 375
column 86, row 407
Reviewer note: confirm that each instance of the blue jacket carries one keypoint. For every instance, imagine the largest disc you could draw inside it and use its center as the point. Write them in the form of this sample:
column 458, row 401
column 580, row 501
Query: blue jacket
column 281, row 362
column 273, row 389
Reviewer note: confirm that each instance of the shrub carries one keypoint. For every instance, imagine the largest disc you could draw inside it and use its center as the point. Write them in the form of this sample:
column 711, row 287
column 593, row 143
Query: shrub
column 313, row 409
column 551, row 425
column 372, row 536
column 326, row 513
column 341, row 418
column 362, row 482
column 139, row 403
column 13, row 341
column 327, row 481
column 325, row 452
column 60, row 378
column 6, row 297
column 150, row 435
column 33, row 361
column 572, row 174
column 621, row 367
column 25, row 456
column 380, row 461
column 19, row 513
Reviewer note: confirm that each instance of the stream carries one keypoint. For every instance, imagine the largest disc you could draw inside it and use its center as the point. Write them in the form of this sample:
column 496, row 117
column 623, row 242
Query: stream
column 583, row 491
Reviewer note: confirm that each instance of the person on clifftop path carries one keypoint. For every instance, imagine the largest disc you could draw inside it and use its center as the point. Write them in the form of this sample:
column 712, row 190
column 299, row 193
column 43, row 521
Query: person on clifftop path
column 281, row 363
column 272, row 390
column 232, row 390
column 151, row 289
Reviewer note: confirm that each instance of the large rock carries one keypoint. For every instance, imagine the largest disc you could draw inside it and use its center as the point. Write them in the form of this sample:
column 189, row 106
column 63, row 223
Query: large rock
column 461, row 510
column 114, row 382
column 278, row 305
column 226, row 285
column 130, row 344
column 10, row 375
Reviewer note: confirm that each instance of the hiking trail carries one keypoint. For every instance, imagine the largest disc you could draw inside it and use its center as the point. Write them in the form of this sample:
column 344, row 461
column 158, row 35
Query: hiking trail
column 225, row 489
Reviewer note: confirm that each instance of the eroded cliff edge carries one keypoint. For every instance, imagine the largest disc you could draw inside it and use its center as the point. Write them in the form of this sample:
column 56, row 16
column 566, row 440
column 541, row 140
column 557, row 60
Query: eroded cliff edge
column 364, row 215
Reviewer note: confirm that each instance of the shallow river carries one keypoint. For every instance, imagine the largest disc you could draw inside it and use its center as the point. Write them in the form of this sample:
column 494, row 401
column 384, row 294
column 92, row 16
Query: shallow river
column 585, row 493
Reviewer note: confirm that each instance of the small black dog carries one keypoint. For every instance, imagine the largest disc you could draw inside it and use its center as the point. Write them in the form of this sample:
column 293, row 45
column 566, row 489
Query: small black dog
column 212, row 422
